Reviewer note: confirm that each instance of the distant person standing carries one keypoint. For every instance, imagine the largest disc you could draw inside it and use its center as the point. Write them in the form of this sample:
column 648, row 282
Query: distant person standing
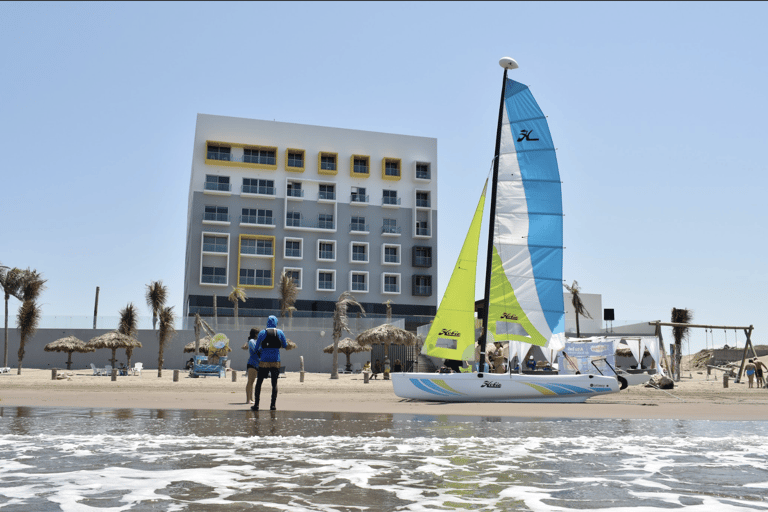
column 253, row 365
column 269, row 343
column 759, row 367
column 749, row 369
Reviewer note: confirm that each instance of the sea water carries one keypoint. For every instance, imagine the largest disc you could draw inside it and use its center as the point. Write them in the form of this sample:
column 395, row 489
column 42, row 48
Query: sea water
column 126, row 459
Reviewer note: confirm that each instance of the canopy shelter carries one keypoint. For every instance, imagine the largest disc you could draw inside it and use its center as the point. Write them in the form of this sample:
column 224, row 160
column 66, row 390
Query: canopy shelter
column 114, row 340
column 580, row 353
column 388, row 335
column 348, row 346
column 747, row 332
column 69, row 344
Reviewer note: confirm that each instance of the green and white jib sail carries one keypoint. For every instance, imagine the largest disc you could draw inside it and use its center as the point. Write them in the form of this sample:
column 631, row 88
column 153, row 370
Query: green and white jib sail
column 526, row 295
column 452, row 335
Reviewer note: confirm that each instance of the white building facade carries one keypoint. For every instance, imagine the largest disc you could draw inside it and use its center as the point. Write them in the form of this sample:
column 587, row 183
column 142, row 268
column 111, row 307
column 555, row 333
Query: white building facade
column 337, row 209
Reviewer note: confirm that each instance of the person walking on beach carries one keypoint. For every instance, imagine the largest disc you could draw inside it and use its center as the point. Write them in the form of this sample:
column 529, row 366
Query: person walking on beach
column 253, row 365
column 749, row 368
column 759, row 367
column 269, row 343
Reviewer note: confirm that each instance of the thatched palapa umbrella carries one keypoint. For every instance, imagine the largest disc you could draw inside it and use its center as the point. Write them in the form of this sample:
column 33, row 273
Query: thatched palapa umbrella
column 205, row 343
column 114, row 340
column 388, row 335
column 348, row 346
column 69, row 344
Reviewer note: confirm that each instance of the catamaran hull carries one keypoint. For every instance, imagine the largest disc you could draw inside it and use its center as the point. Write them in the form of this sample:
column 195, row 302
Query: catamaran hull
column 495, row 387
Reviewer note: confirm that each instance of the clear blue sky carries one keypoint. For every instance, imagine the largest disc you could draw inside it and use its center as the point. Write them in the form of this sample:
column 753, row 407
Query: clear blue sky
column 657, row 109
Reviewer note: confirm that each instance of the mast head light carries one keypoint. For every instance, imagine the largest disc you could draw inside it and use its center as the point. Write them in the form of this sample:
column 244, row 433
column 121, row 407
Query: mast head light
column 508, row 63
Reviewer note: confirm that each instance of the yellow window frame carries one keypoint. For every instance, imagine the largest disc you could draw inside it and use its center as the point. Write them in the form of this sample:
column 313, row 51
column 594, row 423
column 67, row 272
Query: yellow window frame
column 384, row 162
column 303, row 160
column 352, row 172
column 248, row 165
column 327, row 172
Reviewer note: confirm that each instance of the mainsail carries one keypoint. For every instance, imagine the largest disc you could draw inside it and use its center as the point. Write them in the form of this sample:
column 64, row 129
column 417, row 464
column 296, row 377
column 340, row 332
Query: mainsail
column 452, row 335
column 526, row 295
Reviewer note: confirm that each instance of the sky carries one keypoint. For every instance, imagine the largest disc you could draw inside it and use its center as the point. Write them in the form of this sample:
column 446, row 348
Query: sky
column 657, row 110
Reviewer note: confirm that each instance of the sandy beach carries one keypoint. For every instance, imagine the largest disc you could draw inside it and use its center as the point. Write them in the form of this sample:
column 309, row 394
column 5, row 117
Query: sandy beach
column 695, row 397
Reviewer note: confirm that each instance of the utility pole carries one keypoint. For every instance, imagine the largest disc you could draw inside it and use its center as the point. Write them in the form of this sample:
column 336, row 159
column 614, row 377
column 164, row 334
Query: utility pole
column 96, row 307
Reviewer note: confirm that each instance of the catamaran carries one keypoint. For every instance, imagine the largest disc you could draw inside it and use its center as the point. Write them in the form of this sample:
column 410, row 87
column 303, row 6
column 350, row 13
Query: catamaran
column 524, row 274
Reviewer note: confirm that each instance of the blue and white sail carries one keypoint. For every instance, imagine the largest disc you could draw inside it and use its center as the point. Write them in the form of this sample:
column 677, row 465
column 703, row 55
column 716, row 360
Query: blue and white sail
column 526, row 295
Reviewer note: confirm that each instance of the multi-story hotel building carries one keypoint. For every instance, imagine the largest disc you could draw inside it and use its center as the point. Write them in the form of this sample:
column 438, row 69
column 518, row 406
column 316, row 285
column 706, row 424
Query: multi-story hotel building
column 337, row 209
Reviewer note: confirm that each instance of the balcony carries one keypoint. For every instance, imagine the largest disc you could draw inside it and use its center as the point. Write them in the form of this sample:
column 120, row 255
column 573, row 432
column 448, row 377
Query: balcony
column 211, row 186
column 390, row 230
column 215, row 217
column 423, row 231
column 208, row 279
column 294, row 193
column 422, row 291
column 390, row 201
column 422, row 261
column 423, row 202
column 293, row 222
column 258, row 220
column 215, row 247
column 358, row 198
column 256, row 281
column 357, row 227
column 326, row 196
column 258, row 190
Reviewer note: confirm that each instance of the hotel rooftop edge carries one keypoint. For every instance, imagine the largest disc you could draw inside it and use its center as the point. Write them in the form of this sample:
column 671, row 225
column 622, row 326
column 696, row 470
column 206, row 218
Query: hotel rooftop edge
column 338, row 209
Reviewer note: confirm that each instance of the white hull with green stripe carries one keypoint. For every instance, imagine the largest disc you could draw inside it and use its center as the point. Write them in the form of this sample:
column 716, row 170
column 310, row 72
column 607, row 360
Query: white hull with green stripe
column 504, row 387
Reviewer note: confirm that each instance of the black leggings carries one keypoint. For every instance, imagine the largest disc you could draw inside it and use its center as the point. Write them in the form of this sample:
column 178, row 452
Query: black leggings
column 273, row 373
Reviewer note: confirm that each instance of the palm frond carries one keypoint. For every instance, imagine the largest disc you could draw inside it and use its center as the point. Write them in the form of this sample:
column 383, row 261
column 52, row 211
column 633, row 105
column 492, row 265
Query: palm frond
column 288, row 293
column 237, row 294
column 129, row 318
column 32, row 285
column 28, row 319
column 340, row 319
column 156, row 296
column 11, row 281
column 681, row 316
column 167, row 330
column 578, row 305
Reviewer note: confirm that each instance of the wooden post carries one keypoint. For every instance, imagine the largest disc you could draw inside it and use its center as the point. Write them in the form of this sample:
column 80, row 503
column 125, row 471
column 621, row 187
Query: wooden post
column 114, row 374
column 53, row 373
column 725, row 380
column 96, row 307
column 366, row 376
column 234, row 376
column 748, row 332
column 175, row 375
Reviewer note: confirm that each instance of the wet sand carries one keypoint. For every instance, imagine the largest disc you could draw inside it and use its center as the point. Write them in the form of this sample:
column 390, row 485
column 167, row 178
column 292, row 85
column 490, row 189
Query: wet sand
column 695, row 397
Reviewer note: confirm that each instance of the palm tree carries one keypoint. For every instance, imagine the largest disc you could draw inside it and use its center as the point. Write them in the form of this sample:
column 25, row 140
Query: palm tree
column 129, row 318
column 10, row 280
column 578, row 306
column 236, row 296
column 28, row 318
column 157, row 294
column 164, row 335
column 679, row 333
column 341, row 323
column 288, row 293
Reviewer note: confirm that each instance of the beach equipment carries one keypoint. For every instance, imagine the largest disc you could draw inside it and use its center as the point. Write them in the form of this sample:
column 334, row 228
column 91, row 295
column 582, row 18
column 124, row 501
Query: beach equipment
column 348, row 346
column 523, row 296
column 114, row 340
column 69, row 345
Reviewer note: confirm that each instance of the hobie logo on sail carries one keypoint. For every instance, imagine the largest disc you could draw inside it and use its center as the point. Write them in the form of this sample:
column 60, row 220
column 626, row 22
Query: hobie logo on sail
column 507, row 316
column 525, row 135
column 446, row 332
column 488, row 384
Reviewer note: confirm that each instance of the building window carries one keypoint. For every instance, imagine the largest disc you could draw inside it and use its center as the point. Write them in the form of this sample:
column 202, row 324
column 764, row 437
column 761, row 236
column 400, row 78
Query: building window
column 265, row 156
column 249, row 216
column 295, row 274
column 293, row 219
column 256, row 247
column 422, row 199
column 422, row 171
column 216, row 214
column 214, row 275
column 294, row 160
column 358, row 224
column 327, row 163
column 390, row 169
column 326, row 280
column 292, row 248
column 422, row 256
column 214, row 244
column 217, row 183
column 422, row 228
column 218, row 153
column 390, row 254
column 361, row 165
column 360, row 253
column 391, row 283
column 326, row 250
column 422, row 286
column 325, row 221
column 327, row 192
column 294, row 189
column 389, row 197
column 390, row 227
column 358, row 195
column 264, row 217
column 255, row 277
column 359, row 281
column 263, row 187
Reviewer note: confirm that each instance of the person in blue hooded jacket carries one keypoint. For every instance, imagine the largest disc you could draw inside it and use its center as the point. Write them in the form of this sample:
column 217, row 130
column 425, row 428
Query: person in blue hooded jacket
column 269, row 343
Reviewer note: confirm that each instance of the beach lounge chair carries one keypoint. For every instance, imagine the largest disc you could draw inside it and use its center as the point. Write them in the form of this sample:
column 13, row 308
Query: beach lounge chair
column 107, row 370
column 96, row 370
column 137, row 367
column 5, row 369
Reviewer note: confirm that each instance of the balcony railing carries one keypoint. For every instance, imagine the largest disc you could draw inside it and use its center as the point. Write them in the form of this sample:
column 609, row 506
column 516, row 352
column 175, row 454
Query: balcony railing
column 422, row 261
column 422, row 174
column 392, row 288
column 215, row 155
column 391, row 259
column 257, row 251
column 260, row 220
column 422, row 231
column 254, row 189
column 218, row 187
column 293, row 253
column 209, row 279
column 359, row 287
column 358, row 198
column 360, row 228
column 216, row 217
column 214, row 248
column 391, row 230
column 422, row 290
column 326, row 255
column 256, row 281
column 304, row 223
column 259, row 159
column 328, row 196
column 424, row 203
column 390, row 200
column 294, row 192
column 360, row 257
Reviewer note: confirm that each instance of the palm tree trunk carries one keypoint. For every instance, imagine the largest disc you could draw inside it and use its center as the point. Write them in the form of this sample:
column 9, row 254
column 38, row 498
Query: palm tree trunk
column 237, row 325
column 215, row 313
column 335, row 368
column 160, row 360
column 114, row 358
column 69, row 360
column 578, row 332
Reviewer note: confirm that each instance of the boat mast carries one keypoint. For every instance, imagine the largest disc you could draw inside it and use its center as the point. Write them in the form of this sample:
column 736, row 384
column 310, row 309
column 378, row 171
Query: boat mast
column 507, row 63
